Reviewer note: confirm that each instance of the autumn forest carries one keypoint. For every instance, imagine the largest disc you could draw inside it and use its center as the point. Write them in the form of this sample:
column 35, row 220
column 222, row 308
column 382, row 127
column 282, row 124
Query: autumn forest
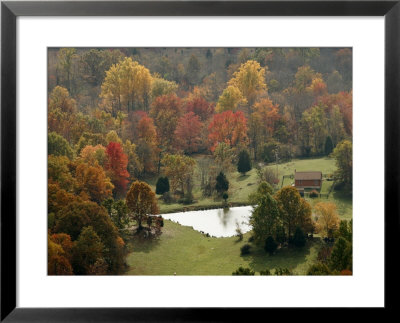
column 261, row 134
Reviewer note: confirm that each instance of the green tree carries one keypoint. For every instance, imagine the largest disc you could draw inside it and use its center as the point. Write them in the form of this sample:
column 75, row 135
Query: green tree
column 343, row 154
column 118, row 212
column 299, row 239
column 65, row 63
column 270, row 245
column 58, row 146
column 341, row 256
column 294, row 211
column 222, row 184
column 264, row 218
column 244, row 162
column 328, row 145
column 87, row 249
column 162, row 185
column 76, row 215
column 345, row 230
column 263, row 189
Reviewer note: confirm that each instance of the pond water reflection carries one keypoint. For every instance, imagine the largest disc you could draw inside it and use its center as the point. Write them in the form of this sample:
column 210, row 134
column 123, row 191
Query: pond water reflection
column 217, row 222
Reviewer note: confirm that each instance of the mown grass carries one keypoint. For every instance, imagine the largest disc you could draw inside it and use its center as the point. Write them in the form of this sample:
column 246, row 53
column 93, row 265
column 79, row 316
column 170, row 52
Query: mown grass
column 240, row 186
column 184, row 251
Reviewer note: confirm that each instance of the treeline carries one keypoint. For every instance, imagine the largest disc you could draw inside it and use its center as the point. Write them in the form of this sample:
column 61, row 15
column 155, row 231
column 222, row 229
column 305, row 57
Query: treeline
column 294, row 101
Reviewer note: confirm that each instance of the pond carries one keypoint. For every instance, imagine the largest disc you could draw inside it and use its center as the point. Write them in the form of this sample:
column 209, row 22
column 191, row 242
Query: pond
column 216, row 222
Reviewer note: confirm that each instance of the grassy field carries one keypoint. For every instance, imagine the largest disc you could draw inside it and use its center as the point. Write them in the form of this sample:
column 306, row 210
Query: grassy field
column 241, row 186
column 239, row 189
column 184, row 251
column 327, row 166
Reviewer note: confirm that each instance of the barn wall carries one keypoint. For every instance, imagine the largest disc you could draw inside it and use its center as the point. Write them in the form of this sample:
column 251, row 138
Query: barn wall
column 308, row 183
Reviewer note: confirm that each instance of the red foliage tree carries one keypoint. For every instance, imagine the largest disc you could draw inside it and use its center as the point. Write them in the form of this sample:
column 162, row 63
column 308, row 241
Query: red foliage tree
column 146, row 142
column 229, row 127
column 200, row 107
column 187, row 133
column 116, row 165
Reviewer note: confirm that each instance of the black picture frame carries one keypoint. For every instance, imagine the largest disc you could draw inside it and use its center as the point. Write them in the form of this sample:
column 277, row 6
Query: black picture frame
column 10, row 10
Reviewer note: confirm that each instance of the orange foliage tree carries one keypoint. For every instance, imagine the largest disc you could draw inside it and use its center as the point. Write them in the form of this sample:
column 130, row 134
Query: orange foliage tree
column 141, row 201
column 147, row 149
column 229, row 127
column 94, row 181
column 166, row 111
column 116, row 165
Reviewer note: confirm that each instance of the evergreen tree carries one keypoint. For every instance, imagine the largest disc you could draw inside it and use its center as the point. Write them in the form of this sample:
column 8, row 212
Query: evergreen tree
column 162, row 185
column 328, row 145
column 299, row 239
column 222, row 184
column 341, row 256
column 244, row 162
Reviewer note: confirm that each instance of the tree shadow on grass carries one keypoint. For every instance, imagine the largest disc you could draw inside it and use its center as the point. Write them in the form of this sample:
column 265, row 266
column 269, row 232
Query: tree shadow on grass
column 284, row 258
column 141, row 244
column 242, row 178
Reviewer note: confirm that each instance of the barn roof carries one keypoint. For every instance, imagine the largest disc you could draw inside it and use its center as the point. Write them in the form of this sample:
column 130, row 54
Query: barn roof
column 307, row 175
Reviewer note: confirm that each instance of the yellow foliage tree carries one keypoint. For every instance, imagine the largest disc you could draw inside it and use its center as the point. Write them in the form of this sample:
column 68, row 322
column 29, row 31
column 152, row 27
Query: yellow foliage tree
column 94, row 154
column 127, row 85
column 327, row 218
column 230, row 99
column 178, row 168
column 250, row 80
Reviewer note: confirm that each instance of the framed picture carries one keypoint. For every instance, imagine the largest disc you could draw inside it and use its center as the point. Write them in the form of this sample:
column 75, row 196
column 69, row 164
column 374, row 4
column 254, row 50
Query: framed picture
column 146, row 144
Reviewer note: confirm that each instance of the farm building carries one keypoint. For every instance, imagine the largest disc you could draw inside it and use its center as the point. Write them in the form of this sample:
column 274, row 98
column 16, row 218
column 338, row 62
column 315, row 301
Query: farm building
column 308, row 179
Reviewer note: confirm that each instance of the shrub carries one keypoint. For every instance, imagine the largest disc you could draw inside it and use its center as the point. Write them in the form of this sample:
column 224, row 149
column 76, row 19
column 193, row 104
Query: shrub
column 270, row 245
column 243, row 271
column 299, row 239
column 318, row 269
column 162, row 185
column 283, row 272
column 245, row 250
column 265, row 272
column 244, row 163
column 251, row 239
column 314, row 194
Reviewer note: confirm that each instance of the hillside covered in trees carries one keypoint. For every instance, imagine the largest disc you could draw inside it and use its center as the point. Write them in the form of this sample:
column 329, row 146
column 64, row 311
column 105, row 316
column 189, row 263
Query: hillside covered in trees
column 132, row 131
